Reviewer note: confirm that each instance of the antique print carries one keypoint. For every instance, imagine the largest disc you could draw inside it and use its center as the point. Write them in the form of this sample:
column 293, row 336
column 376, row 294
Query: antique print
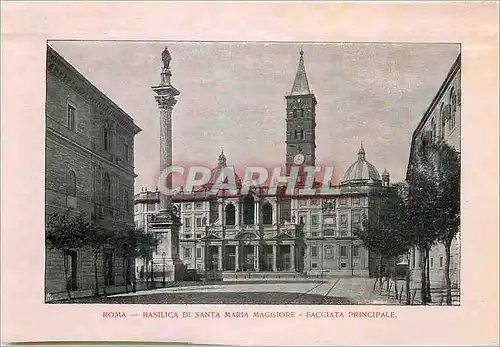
column 249, row 173
column 277, row 173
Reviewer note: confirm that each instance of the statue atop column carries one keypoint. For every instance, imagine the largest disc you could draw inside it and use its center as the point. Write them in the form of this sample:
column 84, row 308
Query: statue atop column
column 166, row 58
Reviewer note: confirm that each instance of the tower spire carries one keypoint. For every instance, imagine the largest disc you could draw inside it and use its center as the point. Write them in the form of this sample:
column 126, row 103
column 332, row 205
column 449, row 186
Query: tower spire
column 300, row 84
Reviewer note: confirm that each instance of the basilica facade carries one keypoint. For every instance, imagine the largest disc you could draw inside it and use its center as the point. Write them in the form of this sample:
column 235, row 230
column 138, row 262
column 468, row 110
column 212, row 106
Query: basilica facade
column 260, row 232
column 240, row 234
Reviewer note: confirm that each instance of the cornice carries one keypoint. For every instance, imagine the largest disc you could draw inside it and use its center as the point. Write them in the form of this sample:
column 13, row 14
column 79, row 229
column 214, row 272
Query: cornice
column 454, row 70
column 65, row 72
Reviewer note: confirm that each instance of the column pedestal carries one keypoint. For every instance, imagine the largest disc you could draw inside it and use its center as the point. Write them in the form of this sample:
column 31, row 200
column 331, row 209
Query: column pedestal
column 167, row 232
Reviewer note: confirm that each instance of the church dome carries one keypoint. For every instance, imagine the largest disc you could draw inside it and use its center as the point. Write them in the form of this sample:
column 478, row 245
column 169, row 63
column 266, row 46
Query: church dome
column 361, row 170
column 215, row 173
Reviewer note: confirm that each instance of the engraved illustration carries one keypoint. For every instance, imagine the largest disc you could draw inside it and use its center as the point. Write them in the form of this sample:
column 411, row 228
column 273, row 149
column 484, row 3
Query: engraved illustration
column 263, row 191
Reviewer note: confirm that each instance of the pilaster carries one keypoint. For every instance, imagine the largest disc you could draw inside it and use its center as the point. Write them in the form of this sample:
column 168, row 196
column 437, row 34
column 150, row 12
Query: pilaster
column 237, row 258
column 219, row 257
column 221, row 215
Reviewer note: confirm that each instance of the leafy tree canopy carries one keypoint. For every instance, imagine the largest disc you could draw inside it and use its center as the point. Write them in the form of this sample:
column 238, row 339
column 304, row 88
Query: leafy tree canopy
column 384, row 231
column 66, row 231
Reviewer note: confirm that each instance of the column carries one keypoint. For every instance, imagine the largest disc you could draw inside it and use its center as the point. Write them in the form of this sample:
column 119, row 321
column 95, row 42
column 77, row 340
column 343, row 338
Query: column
column 292, row 257
column 255, row 212
column 237, row 258
column 256, row 256
column 220, row 257
column 165, row 97
column 275, row 257
column 221, row 215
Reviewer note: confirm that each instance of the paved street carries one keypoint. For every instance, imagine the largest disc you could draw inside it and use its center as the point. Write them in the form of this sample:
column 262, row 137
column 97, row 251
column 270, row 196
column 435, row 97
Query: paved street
column 337, row 291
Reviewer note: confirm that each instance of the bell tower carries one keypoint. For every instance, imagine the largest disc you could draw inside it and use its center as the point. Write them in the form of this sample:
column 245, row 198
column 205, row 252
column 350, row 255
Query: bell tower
column 300, row 121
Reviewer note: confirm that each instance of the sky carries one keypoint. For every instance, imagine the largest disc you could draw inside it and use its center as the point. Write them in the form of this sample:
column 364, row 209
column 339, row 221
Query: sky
column 233, row 97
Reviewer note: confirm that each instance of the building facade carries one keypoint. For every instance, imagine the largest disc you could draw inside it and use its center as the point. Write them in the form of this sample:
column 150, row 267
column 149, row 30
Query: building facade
column 89, row 167
column 268, row 233
column 441, row 122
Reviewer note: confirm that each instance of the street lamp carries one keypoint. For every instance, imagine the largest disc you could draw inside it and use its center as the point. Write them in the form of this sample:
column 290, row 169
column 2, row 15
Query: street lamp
column 163, row 255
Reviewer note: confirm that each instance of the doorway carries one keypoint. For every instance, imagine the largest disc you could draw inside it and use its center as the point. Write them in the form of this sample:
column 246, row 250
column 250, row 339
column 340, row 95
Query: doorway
column 109, row 279
column 248, row 258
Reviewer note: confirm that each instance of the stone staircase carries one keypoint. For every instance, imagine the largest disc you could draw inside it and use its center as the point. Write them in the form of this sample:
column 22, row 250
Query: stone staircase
column 267, row 276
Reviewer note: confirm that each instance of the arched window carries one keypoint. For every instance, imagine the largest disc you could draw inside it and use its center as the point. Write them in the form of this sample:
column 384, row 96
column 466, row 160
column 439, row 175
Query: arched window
column 443, row 119
column 433, row 130
column 71, row 117
column 71, row 183
column 422, row 145
column 267, row 214
column 230, row 215
column 248, row 210
column 453, row 111
column 106, row 185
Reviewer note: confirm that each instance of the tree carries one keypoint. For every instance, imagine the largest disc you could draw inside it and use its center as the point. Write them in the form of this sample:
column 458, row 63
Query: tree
column 423, row 215
column 144, row 244
column 124, row 245
column 130, row 244
column 384, row 232
column 448, row 204
column 66, row 232
column 97, row 238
